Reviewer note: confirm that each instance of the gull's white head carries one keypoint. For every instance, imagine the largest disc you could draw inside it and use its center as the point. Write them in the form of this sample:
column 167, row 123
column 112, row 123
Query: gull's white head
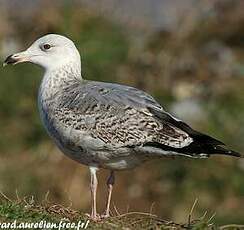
column 51, row 51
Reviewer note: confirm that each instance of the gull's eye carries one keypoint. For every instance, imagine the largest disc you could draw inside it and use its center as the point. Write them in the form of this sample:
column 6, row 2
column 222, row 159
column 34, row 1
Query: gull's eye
column 46, row 47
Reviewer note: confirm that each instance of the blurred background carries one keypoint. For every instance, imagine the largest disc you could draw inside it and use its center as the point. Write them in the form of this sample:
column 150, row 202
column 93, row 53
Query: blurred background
column 188, row 54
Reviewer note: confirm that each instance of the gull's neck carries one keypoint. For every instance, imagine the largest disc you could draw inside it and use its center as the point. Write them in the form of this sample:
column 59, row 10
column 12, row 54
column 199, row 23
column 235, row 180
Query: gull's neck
column 70, row 70
column 56, row 79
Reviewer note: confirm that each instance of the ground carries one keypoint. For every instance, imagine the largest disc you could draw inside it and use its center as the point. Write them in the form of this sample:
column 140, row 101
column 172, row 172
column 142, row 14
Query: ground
column 26, row 210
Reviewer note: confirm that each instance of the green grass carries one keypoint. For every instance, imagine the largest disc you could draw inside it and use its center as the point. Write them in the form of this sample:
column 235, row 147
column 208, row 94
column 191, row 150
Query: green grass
column 27, row 211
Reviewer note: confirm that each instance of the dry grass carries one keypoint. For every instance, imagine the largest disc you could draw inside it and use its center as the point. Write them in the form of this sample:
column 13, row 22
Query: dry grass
column 27, row 210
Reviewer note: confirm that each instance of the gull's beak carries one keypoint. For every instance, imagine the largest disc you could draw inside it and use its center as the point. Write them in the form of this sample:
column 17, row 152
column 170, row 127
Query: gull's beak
column 17, row 58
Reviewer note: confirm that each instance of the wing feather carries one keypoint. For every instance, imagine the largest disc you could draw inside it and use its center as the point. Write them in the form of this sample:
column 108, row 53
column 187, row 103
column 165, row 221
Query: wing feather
column 118, row 115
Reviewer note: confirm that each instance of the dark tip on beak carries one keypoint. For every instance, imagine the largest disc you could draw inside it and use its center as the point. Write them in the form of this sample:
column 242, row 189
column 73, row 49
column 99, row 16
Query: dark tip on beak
column 10, row 60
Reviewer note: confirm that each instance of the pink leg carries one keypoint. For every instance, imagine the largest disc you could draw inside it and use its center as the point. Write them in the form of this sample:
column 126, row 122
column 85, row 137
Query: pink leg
column 94, row 216
column 110, row 183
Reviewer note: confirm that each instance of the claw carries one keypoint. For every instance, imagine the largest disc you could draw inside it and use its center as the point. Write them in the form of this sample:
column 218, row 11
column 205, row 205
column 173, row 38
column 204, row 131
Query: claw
column 94, row 218
column 105, row 216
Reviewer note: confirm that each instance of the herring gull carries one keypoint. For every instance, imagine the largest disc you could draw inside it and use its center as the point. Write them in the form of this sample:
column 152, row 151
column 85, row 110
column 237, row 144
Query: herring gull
column 105, row 125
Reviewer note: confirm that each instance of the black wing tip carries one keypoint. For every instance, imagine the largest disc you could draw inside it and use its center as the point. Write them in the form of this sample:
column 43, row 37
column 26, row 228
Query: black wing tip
column 222, row 150
column 198, row 150
column 202, row 143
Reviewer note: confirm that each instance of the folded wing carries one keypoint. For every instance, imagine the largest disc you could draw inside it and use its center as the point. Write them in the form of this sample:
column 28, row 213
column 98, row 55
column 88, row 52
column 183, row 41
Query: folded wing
column 122, row 116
